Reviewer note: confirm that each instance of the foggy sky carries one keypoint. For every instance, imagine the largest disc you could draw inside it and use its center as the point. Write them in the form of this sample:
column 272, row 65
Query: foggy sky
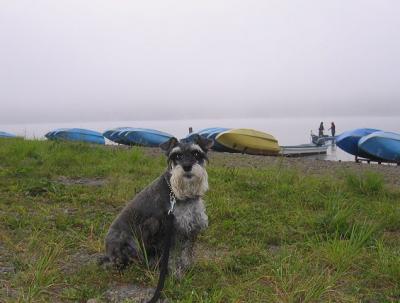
column 74, row 60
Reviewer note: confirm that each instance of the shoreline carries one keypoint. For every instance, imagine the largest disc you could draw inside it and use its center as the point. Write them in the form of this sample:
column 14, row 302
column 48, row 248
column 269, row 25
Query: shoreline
column 390, row 172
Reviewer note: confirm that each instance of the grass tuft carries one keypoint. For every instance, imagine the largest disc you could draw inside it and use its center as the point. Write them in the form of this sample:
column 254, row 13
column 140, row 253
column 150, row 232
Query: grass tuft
column 369, row 183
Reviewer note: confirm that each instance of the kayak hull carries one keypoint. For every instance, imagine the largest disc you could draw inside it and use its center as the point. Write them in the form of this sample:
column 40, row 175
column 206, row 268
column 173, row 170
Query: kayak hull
column 348, row 141
column 381, row 145
column 218, row 146
column 145, row 137
column 76, row 134
column 249, row 141
column 204, row 133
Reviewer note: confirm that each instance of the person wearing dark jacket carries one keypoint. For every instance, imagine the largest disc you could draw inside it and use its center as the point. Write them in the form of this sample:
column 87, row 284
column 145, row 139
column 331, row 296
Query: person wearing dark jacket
column 333, row 129
column 321, row 129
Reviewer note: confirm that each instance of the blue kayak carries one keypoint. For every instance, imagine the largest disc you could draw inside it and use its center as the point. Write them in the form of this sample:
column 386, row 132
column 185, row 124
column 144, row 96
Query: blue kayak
column 51, row 134
column 76, row 134
column 204, row 133
column 381, row 145
column 117, row 135
column 6, row 135
column 348, row 141
column 145, row 137
column 107, row 134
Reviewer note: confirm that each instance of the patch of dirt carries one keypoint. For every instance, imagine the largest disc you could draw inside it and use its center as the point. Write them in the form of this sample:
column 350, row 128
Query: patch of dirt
column 6, row 267
column 6, row 271
column 81, row 181
column 131, row 292
column 77, row 260
column 6, row 292
column 201, row 252
column 391, row 173
column 274, row 249
column 391, row 237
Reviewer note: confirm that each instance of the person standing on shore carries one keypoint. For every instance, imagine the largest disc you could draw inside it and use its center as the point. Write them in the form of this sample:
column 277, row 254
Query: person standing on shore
column 321, row 129
column 333, row 128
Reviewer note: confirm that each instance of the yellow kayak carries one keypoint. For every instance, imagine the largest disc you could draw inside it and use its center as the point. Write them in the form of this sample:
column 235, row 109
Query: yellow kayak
column 249, row 141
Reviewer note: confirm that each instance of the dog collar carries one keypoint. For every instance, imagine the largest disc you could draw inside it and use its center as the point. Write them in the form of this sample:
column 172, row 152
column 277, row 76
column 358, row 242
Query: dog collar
column 172, row 198
column 172, row 202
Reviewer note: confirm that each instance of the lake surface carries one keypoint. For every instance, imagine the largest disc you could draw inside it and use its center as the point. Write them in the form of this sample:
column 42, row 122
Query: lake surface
column 288, row 131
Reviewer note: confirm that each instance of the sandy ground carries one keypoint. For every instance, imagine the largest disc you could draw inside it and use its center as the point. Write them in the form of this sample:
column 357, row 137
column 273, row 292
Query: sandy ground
column 390, row 172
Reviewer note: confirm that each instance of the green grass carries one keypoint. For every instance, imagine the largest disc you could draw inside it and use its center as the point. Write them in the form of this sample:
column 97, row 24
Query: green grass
column 275, row 235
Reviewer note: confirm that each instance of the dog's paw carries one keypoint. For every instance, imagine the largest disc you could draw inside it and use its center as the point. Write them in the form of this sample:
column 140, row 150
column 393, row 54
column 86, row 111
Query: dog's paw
column 121, row 250
column 103, row 259
column 122, row 255
column 105, row 262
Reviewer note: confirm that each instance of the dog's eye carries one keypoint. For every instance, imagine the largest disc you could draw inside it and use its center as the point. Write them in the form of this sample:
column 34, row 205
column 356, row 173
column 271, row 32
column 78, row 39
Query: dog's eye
column 197, row 155
column 177, row 156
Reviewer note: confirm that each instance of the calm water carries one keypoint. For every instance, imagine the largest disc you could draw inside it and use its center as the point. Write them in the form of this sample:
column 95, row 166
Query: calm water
column 288, row 131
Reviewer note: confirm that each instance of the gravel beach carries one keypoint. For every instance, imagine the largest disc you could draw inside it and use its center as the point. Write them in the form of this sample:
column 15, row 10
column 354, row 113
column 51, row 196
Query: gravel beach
column 390, row 172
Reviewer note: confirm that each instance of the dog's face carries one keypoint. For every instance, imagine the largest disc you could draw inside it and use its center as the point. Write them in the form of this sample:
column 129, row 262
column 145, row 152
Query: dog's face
column 186, row 163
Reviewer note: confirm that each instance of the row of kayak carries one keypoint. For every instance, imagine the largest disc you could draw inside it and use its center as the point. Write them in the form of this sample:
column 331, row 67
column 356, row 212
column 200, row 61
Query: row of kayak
column 368, row 143
column 241, row 140
column 371, row 144
column 137, row 136
column 225, row 140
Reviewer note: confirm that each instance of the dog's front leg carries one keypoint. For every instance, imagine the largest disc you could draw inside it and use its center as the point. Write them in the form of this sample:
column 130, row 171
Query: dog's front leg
column 181, row 257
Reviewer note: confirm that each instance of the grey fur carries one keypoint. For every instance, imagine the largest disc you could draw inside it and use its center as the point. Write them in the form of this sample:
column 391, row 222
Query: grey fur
column 139, row 229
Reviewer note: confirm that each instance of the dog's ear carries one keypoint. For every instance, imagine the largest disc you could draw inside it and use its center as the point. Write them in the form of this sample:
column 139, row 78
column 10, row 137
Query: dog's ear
column 168, row 145
column 203, row 142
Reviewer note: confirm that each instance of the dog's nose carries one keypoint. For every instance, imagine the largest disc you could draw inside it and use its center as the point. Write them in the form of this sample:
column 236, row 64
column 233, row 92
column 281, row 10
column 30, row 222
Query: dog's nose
column 187, row 168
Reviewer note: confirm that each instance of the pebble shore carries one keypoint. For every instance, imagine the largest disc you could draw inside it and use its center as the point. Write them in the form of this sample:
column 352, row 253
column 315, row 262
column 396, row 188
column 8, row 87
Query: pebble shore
column 390, row 172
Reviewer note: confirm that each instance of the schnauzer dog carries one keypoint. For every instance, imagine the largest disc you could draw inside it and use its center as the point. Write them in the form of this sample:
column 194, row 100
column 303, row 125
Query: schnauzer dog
column 140, row 227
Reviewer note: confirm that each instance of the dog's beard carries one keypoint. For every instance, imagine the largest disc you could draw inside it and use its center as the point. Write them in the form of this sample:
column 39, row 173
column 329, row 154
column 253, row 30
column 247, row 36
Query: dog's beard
column 186, row 185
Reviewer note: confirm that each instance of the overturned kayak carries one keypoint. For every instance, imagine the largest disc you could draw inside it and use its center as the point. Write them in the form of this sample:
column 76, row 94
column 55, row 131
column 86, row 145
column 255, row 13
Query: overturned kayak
column 7, row 135
column 348, row 141
column 381, row 145
column 51, row 134
column 144, row 137
column 107, row 134
column 117, row 135
column 204, row 133
column 249, row 141
column 218, row 146
column 210, row 133
column 76, row 134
